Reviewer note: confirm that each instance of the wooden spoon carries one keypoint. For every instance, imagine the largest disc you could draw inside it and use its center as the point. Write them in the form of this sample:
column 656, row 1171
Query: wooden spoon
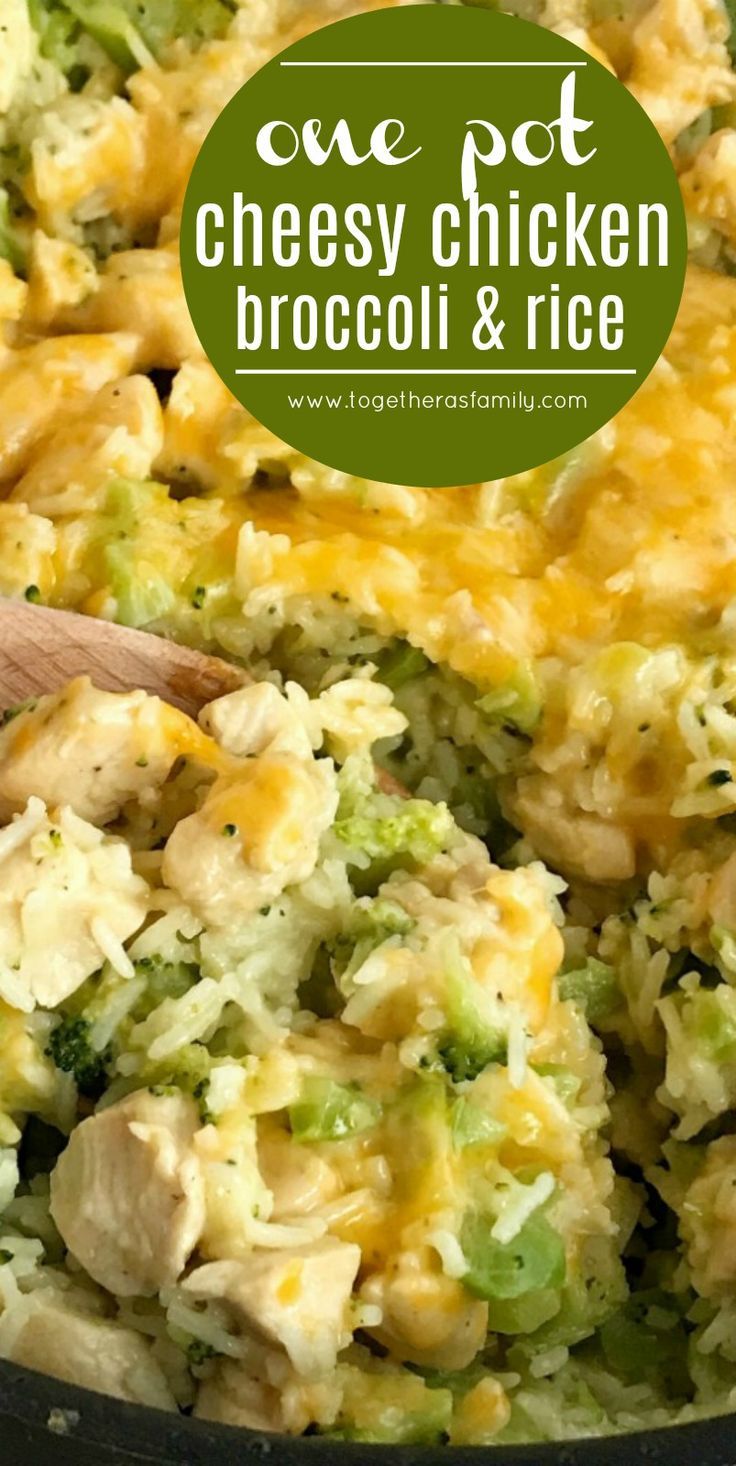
column 41, row 650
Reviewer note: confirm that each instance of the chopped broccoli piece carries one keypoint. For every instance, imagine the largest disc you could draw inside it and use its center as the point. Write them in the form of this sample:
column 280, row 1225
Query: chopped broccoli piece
column 565, row 1082
column 109, row 23
column 534, row 1259
column 402, row 663
column 71, row 1050
column 150, row 549
column 387, row 826
column 464, row 1059
column 163, row 980
column 189, row 1072
column 58, row 33
column 468, row 1044
column 515, row 703
column 470, row 1124
column 12, row 247
column 646, row 1339
column 593, row 987
column 370, row 926
column 140, row 598
column 464, row 1055
column 329, row 1111
column 708, row 1019
column 131, row 32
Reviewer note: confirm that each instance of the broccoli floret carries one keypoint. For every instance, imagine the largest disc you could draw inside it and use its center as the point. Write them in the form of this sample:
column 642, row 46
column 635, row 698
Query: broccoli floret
column 412, row 828
column 534, row 1259
column 369, row 926
column 392, row 832
column 127, row 30
column 58, row 32
column 163, row 980
column 400, row 664
column 516, row 703
column 470, row 1124
column 70, row 1048
column 593, row 987
column 329, row 1111
column 190, row 1073
column 469, row 1043
column 466, row 1054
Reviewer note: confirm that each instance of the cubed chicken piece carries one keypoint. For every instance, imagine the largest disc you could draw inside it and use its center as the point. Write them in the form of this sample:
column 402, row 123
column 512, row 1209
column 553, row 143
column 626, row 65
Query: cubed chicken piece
column 60, row 273
column 255, row 719
column 298, row 1179
column 708, row 1222
column 257, row 832
column 233, row 1397
column 45, row 384
column 295, row 1297
column 567, row 838
column 119, row 436
column 141, row 286
column 196, row 417
column 102, row 748
column 40, row 1332
column 127, row 1193
column 69, row 899
column 427, row 1317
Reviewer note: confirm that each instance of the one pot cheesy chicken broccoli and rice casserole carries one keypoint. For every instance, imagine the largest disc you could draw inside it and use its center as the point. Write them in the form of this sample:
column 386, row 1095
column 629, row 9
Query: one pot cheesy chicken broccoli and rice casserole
column 368, row 1049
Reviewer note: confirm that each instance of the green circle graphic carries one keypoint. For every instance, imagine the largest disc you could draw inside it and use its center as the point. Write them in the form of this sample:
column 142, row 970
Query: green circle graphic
column 433, row 246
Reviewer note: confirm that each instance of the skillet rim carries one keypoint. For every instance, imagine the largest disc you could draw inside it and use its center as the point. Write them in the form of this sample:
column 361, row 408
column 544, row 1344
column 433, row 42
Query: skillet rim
column 123, row 1433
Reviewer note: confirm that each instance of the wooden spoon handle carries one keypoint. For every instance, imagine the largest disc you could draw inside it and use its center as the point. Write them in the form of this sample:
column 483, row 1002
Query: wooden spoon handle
column 42, row 649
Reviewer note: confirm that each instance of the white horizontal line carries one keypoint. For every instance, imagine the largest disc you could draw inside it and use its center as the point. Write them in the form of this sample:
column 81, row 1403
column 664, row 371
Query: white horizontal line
column 435, row 371
column 568, row 64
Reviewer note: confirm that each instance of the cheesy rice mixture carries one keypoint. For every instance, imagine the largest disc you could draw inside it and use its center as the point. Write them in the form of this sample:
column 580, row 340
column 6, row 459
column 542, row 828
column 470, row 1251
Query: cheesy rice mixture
column 368, row 1051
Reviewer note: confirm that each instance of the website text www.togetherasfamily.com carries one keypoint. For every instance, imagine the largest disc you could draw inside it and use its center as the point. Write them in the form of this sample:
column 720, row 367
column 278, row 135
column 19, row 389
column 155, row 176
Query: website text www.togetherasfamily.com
column 474, row 401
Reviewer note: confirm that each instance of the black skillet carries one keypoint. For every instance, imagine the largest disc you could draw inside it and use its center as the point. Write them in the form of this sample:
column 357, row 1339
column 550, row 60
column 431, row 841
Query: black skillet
column 45, row 1423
